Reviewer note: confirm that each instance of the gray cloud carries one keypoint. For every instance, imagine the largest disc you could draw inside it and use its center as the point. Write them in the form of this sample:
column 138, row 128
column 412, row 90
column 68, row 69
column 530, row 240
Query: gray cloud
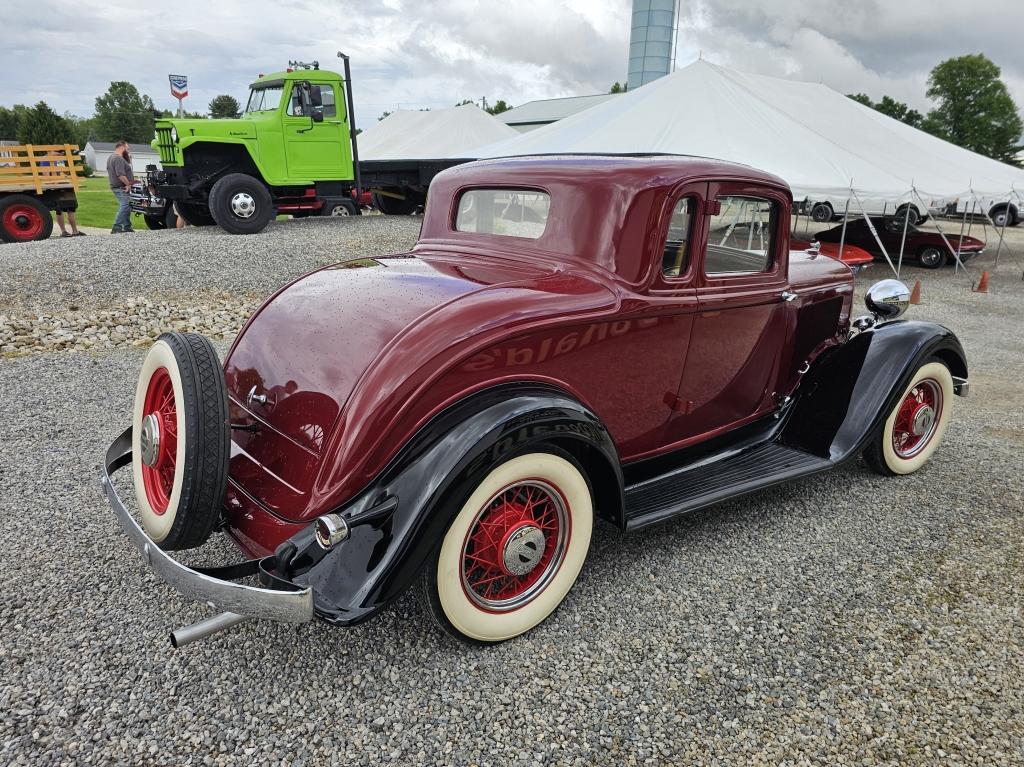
column 432, row 54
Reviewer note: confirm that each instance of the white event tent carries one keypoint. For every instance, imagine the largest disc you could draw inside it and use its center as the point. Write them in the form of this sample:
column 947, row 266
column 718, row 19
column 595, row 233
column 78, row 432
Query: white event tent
column 821, row 142
column 825, row 145
column 457, row 132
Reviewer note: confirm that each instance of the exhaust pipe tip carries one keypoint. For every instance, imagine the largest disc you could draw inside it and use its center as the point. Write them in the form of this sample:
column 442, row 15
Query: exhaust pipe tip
column 204, row 628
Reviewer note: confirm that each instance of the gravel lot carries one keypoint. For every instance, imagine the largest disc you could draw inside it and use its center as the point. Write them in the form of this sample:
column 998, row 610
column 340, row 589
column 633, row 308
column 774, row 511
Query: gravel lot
column 842, row 620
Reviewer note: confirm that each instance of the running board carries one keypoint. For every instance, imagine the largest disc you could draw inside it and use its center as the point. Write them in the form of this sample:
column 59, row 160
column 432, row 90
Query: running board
column 716, row 479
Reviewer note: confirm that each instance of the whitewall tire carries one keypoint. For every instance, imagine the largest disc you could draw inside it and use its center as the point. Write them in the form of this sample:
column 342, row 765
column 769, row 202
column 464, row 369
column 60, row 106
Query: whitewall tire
column 514, row 550
column 915, row 427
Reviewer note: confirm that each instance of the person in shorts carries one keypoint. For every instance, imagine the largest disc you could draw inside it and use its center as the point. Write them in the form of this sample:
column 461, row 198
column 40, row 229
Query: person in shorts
column 67, row 207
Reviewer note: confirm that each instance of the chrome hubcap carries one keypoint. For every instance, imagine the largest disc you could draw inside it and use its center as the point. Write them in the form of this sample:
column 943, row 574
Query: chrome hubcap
column 923, row 420
column 340, row 210
column 523, row 550
column 149, row 440
column 243, row 205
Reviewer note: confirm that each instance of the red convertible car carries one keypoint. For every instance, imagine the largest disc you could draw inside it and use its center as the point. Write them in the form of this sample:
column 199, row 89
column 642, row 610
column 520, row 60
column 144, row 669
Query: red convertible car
column 572, row 339
column 930, row 250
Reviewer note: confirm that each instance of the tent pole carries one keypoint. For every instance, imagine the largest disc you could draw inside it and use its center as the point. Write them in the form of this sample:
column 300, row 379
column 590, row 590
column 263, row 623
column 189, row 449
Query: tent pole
column 874, row 233
column 846, row 213
column 942, row 234
column 963, row 224
column 903, row 242
column 1002, row 231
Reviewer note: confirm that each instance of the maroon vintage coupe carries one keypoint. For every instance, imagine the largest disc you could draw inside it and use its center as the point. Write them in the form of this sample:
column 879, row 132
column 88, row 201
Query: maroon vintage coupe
column 571, row 339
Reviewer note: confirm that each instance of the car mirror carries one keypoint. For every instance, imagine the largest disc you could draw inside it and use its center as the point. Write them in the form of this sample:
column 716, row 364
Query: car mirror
column 317, row 114
column 315, row 99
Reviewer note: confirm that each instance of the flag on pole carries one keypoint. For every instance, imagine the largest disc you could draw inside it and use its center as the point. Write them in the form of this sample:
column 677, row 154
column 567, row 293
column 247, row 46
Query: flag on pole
column 179, row 85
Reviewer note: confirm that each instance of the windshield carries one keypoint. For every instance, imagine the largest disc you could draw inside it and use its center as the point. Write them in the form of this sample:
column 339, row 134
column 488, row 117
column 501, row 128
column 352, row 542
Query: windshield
column 265, row 99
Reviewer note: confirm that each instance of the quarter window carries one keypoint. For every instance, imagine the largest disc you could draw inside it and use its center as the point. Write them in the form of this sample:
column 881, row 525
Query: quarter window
column 740, row 236
column 676, row 254
column 507, row 212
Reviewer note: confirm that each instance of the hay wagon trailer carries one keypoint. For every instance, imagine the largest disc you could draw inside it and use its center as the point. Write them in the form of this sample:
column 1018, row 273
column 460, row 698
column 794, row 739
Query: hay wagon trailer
column 34, row 180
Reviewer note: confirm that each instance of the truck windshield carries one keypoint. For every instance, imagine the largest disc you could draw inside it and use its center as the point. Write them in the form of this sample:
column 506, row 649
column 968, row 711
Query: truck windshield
column 264, row 99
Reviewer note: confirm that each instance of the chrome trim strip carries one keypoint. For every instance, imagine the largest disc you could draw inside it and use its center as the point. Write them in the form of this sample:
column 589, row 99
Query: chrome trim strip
column 251, row 601
column 961, row 386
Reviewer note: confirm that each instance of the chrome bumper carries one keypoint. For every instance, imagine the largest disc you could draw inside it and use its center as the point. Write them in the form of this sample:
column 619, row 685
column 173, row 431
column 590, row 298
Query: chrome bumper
column 212, row 585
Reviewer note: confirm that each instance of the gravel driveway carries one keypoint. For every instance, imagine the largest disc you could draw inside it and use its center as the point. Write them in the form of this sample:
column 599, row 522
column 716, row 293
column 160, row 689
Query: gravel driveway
column 842, row 620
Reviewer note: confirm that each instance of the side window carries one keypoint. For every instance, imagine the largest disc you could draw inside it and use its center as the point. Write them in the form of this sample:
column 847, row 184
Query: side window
column 295, row 103
column 676, row 254
column 327, row 99
column 740, row 236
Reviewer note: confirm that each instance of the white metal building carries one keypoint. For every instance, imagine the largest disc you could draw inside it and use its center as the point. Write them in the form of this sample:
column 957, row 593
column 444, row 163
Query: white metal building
column 536, row 114
column 96, row 154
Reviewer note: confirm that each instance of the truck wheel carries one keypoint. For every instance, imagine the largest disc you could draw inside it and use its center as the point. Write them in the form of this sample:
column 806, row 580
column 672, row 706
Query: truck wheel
column 240, row 204
column 155, row 222
column 913, row 219
column 914, row 428
column 181, row 441
column 339, row 208
column 23, row 219
column 821, row 212
column 195, row 214
column 514, row 550
column 393, row 206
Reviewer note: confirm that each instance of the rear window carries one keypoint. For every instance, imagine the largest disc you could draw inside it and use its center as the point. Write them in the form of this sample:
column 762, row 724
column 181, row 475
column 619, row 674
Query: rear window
column 505, row 212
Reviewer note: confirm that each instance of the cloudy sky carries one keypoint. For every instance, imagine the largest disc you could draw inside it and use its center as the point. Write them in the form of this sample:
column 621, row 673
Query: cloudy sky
column 433, row 54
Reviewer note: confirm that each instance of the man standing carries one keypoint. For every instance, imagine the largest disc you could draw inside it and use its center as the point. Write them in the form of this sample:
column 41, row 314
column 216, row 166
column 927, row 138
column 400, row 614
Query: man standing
column 119, row 173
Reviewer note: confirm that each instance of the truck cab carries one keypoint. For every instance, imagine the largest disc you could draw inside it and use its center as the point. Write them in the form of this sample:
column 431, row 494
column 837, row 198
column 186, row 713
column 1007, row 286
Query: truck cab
column 289, row 152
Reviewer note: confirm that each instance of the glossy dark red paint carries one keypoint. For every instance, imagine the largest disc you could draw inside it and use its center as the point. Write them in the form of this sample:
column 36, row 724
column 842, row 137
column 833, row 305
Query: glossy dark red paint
column 354, row 358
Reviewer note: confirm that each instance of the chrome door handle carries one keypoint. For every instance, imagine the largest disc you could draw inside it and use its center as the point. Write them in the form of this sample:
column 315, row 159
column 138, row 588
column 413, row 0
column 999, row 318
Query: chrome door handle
column 788, row 295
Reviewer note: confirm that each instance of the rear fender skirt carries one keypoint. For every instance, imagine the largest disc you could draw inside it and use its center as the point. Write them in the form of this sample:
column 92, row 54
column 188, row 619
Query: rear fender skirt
column 401, row 517
column 845, row 397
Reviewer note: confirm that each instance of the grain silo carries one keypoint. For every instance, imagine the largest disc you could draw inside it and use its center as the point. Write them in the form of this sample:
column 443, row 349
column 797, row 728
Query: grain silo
column 651, row 40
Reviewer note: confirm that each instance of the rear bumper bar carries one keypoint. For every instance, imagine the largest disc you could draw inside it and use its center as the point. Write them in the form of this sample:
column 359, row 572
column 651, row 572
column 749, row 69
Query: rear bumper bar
column 214, row 585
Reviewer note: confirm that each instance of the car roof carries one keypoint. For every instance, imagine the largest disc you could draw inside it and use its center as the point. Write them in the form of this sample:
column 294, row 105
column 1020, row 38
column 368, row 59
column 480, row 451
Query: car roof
column 601, row 204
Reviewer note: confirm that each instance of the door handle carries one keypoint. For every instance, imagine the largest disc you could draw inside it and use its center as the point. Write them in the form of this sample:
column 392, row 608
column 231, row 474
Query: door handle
column 789, row 295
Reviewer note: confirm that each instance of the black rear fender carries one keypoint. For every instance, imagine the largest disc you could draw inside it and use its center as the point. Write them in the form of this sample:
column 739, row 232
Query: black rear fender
column 399, row 520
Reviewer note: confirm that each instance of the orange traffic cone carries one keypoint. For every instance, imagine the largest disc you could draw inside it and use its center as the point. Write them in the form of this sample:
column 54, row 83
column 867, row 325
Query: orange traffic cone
column 982, row 286
column 915, row 293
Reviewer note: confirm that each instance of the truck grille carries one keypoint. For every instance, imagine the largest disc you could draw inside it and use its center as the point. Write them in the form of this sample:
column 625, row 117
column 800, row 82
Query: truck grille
column 165, row 146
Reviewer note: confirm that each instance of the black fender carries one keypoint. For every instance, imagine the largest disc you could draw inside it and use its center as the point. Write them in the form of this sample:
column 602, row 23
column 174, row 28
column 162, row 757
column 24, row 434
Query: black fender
column 845, row 397
column 397, row 522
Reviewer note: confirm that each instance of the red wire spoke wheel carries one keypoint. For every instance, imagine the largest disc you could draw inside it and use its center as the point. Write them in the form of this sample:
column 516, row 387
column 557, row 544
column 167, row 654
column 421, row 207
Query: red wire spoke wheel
column 913, row 430
column 514, row 550
column 159, row 441
column 515, row 545
column 916, row 418
column 180, row 441
column 23, row 219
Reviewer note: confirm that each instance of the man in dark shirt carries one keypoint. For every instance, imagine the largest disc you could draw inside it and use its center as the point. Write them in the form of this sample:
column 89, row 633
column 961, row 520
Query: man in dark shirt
column 120, row 176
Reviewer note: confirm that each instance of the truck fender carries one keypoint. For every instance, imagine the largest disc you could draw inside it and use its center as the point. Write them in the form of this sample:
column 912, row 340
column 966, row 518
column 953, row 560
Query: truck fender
column 845, row 397
column 399, row 520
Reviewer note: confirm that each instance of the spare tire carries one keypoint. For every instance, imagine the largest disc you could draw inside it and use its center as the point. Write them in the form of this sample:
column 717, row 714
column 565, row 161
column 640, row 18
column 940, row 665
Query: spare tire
column 181, row 441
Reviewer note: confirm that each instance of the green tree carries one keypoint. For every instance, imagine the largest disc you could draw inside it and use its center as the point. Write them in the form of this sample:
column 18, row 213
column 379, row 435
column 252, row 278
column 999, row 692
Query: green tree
column 617, row 87
column 382, row 116
column 891, row 107
column 82, row 128
column 499, row 107
column 225, row 106
column 122, row 112
column 975, row 110
column 41, row 125
column 899, row 111
column 9, row 122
